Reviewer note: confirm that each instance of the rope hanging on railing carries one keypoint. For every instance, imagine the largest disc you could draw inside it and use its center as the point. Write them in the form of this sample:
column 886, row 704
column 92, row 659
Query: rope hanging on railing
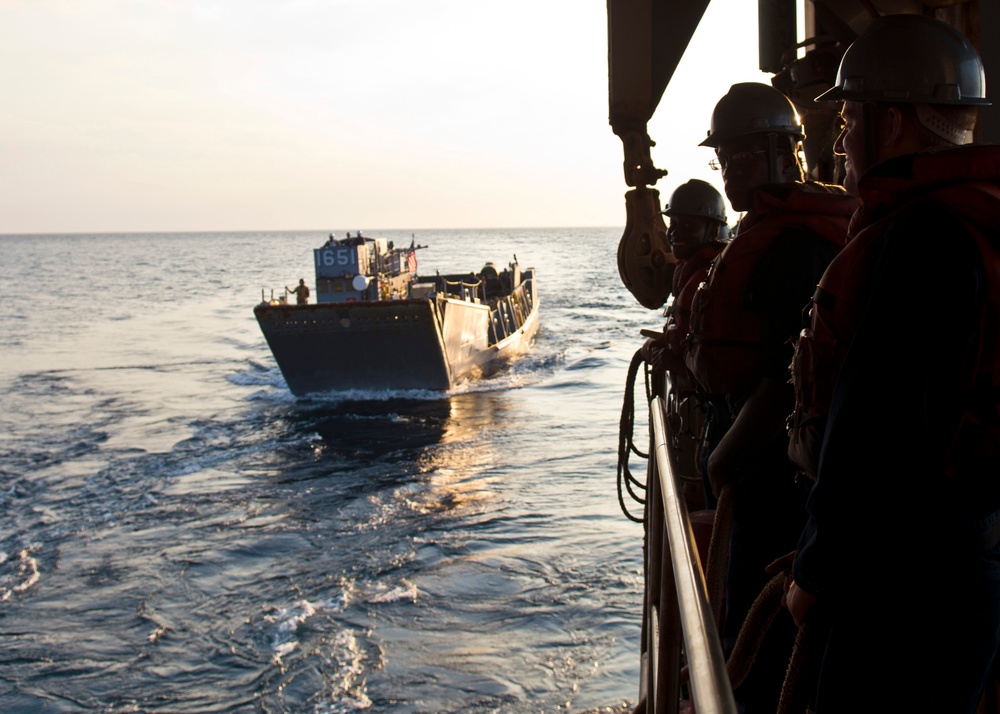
column 758, row 621
column 803, row 665
column 718, row 554
column 625, row 444
column 805, row 657
column 803, row 670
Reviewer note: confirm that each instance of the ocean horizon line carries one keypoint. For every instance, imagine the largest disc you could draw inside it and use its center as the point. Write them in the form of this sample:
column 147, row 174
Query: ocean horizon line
column 323, row 232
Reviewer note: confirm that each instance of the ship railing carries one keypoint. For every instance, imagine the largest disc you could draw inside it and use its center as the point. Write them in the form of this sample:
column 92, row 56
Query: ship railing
column 498, row 327
column 391, row 262
column 280, row 300
column 678, row 626
column 522, row 301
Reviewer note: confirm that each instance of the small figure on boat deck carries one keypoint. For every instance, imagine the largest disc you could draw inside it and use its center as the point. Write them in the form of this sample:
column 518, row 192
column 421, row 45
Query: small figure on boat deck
column 301, row 292
column 898, row 568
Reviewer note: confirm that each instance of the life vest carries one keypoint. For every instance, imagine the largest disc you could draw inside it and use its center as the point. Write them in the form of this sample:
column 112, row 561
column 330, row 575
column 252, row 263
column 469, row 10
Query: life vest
column 963, row 181
column 688, row 275
column 726, row 343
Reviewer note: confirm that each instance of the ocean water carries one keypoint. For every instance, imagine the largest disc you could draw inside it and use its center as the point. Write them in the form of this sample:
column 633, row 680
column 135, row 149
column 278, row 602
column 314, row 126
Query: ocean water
column 178, row 533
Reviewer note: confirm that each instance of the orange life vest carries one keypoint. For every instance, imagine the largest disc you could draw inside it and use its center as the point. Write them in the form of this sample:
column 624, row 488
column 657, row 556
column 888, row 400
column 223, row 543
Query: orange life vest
column 963, row 181
column 726, row 344
column 688, row 275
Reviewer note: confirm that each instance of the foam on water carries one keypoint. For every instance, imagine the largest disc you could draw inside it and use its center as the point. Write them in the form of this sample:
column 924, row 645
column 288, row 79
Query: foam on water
column 25, row 573
column 347, row 679
column 383, row 592
column 286, row 622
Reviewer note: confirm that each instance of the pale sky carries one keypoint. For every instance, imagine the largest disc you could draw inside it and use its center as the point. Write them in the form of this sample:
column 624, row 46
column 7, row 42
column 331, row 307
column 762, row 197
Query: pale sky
column 186, row 115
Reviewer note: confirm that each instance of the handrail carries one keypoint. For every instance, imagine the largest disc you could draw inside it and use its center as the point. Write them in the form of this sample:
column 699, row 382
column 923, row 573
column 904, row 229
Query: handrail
column 708, row 680
column 466, row 290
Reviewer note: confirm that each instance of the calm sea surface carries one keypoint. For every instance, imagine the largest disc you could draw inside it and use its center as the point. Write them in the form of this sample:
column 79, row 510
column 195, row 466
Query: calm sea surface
column 180, row 534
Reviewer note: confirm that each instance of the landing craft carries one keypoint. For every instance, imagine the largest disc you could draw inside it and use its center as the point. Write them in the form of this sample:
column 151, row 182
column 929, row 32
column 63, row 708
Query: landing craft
column 646, row 40
column 377, row 325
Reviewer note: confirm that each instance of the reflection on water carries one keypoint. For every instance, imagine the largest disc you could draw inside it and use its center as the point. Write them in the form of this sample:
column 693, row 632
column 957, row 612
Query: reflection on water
column 402, row 430
column 377, row 428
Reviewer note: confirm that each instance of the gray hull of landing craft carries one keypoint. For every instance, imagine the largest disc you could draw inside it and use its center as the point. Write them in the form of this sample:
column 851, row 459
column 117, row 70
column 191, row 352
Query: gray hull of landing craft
column 401, row 344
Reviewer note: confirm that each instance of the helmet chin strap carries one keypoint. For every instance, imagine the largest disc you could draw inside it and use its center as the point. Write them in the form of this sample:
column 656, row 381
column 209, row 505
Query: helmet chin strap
column 871, row 134
column 773, row 169
column 776, row 173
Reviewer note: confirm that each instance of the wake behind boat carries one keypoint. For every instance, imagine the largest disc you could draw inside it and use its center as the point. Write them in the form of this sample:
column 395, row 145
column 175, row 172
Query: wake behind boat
column 377, row 325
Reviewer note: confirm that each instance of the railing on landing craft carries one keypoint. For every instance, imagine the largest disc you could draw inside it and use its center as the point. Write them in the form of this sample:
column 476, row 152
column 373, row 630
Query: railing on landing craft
column 509, row 312
column 470, row 292
column 676, row 608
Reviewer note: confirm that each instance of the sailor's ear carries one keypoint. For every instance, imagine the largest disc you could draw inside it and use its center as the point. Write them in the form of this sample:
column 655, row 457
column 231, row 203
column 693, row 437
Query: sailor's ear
column 892, row 127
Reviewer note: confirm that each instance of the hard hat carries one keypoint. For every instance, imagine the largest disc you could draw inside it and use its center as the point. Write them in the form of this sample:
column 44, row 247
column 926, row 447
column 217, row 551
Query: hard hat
column 753, row 108
column 696, row 198
column 910, row 59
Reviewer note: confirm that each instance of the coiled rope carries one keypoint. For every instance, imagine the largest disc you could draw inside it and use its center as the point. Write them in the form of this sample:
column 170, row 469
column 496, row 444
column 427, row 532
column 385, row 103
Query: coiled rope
column 626, row 445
